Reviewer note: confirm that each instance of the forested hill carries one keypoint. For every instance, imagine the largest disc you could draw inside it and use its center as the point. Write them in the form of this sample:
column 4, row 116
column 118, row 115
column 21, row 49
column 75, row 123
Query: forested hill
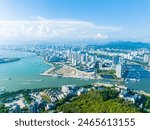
column 106, row 101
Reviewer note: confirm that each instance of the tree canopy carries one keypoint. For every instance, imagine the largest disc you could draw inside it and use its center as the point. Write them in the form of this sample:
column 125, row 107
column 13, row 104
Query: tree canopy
column 105, row 101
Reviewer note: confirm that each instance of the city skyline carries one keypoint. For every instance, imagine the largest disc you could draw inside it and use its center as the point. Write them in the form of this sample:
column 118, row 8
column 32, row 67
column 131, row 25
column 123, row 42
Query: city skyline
column 51, row 78
column 98, row 20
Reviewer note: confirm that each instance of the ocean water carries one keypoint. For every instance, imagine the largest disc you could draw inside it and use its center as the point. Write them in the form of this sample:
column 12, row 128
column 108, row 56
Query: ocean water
column 26, row 73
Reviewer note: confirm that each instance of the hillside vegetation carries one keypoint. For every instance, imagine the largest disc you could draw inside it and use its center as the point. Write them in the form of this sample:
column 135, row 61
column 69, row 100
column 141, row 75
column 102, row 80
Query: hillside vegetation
column 105, row 101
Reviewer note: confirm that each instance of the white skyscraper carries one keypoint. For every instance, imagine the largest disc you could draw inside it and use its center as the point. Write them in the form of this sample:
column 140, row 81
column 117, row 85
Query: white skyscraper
column 74, row 62
column 119, row 71
column 146, row 58
column 82, row 58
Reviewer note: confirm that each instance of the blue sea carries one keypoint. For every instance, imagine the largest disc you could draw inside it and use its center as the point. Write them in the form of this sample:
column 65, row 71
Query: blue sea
column 25, row 73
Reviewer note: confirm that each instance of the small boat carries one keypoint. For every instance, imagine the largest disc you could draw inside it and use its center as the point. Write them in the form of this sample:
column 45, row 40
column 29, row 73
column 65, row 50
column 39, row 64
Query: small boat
column 132, row 79
column 138, row 80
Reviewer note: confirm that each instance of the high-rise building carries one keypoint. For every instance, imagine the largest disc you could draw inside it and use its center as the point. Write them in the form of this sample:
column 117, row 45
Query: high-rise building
column 146, row 58
column 120, row 70
column 69, row 54
column 82, row 58
column 74, row 62
column 130, row 56
column 93, row 59
column 78, row 58
column 86, row 57
column 115, row 60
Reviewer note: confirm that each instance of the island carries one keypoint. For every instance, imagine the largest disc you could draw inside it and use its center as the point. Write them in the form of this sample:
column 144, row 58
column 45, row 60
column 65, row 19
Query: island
column 8, row 60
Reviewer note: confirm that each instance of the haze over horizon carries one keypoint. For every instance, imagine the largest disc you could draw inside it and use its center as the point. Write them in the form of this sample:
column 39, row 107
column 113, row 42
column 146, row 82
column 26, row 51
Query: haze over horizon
column 80, row 20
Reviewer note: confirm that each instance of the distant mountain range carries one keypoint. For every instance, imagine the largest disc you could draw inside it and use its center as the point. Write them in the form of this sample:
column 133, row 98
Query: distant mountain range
column 123, row 45
column 94, row 44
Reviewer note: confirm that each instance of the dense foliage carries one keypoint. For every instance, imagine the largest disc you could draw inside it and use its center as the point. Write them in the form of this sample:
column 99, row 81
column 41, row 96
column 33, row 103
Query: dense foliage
column 107, row 72
column 147, row 102
column 3, row 109
column 105, row 101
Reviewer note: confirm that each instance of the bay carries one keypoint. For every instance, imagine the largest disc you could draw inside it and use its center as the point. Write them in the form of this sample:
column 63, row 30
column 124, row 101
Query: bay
column 25, row 74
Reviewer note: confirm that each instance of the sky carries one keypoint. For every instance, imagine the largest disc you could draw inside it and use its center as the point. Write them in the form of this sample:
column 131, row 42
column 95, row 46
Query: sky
column 73, row 20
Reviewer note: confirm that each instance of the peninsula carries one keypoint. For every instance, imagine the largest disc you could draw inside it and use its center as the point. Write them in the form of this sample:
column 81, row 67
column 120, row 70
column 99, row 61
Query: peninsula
column 8, row 60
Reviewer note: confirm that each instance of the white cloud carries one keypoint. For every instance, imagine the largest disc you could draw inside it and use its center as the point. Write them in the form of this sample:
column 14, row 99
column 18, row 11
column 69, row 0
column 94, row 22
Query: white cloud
column 101, row 36
column 49, row 29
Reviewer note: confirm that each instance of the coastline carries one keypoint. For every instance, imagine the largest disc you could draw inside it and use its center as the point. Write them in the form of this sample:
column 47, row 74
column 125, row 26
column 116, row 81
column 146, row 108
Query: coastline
column 47, row 72
column 143, row 93
column 67, row 72
column 8, row 60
